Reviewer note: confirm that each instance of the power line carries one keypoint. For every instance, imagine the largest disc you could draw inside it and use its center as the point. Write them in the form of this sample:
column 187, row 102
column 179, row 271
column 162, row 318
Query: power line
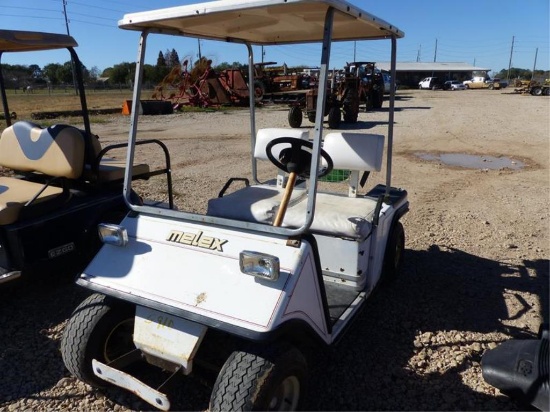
column 98, row 7
column 32, row 17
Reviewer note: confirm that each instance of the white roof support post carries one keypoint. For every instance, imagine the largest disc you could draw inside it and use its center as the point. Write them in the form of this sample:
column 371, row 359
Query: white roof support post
column 252, row 109
column 134, row 118
column 391, row 116
column 319, row 115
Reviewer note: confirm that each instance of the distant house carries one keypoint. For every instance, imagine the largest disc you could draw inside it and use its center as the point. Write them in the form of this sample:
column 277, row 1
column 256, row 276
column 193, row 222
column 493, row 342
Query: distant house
column 410, row 73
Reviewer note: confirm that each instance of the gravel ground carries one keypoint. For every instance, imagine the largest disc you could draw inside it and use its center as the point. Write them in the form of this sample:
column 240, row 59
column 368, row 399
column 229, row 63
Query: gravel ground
column 475, row 272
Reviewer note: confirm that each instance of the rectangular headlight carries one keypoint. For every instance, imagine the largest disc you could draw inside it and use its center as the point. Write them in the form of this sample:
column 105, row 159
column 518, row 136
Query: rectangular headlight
column 112, row 234
column 259, row 264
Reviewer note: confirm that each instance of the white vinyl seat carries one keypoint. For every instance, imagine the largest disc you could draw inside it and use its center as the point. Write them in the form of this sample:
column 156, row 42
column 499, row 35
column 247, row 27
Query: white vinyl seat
column 346, row 216
column 258, row 203
column 337, row 214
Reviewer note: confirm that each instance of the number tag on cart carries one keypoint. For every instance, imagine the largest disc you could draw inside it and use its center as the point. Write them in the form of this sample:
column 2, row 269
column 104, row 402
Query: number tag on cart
column 167, row 337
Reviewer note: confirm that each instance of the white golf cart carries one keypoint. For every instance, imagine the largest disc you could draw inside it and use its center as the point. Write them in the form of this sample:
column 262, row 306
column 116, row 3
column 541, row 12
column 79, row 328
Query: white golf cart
column 269, row 267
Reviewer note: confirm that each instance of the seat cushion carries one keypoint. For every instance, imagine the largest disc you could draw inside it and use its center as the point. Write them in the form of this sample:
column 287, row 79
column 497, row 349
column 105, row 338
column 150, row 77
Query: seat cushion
column 256, row 203
column 112, row 169
column 15, row 193
column 335, row 215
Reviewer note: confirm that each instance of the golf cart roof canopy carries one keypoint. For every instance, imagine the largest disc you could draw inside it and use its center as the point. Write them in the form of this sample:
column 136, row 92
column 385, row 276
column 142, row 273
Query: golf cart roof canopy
column 263, row 22
column 22, row 41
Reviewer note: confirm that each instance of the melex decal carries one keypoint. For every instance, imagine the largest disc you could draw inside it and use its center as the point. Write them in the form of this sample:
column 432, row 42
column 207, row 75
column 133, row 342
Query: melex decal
column 196, row 239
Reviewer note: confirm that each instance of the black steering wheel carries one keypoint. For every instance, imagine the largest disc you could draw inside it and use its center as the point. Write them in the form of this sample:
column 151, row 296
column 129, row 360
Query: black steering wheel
column 295, row 158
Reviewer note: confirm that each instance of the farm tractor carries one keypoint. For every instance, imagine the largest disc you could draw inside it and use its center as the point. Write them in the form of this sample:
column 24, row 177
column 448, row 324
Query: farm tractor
column 361, row 84
column 281, row 79
column 532, row 87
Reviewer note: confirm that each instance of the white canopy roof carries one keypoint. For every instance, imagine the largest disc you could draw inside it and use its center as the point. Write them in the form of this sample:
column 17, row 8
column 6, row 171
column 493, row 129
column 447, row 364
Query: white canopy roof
column 263, row 22
column 20, row 41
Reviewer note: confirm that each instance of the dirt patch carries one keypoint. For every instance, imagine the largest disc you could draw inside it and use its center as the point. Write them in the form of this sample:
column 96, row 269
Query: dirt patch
column 476, row 259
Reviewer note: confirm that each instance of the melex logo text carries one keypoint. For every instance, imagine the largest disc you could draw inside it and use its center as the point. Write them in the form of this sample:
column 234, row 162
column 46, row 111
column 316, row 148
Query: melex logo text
column 197, row 240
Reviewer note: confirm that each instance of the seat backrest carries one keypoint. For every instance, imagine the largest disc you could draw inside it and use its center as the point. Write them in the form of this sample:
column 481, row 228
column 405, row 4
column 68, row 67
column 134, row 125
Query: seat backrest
column 264, row 136
column 56, row 151
column 355, row 151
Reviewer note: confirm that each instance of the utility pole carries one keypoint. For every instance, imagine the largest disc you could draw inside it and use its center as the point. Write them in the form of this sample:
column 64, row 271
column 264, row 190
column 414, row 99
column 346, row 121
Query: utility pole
column 435, row 53
column 510, row 62
column 354, row 50
column 200, row 55
column 534, row 64
column 418, row 54
column 68, row 34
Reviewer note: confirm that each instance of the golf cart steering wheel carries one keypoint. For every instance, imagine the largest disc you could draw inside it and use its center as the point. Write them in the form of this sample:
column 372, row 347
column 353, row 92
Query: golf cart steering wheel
column 295, row 159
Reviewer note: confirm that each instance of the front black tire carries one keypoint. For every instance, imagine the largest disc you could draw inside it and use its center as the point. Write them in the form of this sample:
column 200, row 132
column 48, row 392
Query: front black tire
column 259, row 91
column 295, row 117
column 261, row 380
column 377, row 99
column 351, row 106
column 100, row 328
column 393, row 258
column 334, row 117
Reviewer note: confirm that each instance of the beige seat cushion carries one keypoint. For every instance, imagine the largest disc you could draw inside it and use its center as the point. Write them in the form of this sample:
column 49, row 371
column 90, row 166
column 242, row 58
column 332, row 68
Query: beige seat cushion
column 55, row 151
column 15, row 193
column 112, row 169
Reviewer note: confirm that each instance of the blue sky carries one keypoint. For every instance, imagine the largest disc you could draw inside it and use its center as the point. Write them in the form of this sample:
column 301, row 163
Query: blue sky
column 478, row 32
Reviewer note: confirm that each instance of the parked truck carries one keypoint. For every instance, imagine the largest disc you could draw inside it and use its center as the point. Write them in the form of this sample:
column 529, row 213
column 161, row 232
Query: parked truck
column 480, row 82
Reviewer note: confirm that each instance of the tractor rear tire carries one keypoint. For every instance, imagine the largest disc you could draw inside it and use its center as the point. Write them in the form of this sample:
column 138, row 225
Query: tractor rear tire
column 295, row 117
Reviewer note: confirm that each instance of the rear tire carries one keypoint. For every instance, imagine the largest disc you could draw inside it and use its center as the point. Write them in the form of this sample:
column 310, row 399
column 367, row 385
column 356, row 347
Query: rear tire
column 100, row 328
column 265, row 380
column 537, row 91
column 295, row 116
column 393, row 258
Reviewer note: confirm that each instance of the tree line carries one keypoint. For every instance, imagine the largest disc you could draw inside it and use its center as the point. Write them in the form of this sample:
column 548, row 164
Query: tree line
column 54, row 74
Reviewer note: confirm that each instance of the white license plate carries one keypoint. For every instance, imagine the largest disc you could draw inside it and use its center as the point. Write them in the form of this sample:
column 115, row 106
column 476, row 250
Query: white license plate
column 167, row 336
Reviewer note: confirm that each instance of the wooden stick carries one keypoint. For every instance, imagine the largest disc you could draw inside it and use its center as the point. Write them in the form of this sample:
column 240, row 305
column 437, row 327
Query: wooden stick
column 286, row 198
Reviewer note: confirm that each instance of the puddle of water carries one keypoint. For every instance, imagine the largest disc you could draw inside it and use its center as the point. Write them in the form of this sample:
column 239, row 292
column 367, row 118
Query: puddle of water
column 473, row 161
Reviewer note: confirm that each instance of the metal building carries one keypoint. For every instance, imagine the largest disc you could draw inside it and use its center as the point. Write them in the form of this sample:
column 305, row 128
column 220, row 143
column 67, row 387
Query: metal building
column 410, row 73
